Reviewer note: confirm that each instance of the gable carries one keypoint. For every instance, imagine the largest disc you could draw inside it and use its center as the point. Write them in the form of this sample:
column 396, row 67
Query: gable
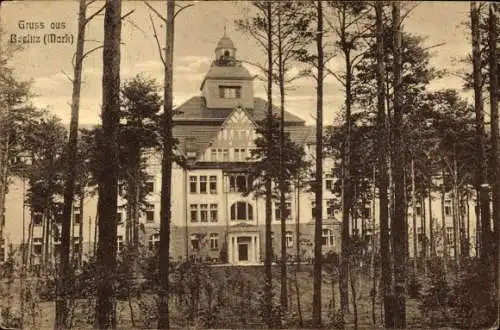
column 234, row 139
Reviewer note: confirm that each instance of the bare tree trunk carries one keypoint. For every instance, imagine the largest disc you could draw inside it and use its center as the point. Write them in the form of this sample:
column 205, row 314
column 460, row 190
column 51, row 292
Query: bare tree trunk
column 64, row 280
column 493, row 74
column 108, row 176
column 319, row 171
column 373, row 270
column 443, row 228
column 80, row 228
column 281, row 74
column 399, row 232
column 386, row 277
column 432, row 244
column 484, row 200
column 414, row 219
column 347, row 195
column 166, row 183
column 353, row 292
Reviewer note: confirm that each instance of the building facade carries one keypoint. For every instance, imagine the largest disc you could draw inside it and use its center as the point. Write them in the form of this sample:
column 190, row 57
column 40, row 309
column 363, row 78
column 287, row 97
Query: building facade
column 212, row 219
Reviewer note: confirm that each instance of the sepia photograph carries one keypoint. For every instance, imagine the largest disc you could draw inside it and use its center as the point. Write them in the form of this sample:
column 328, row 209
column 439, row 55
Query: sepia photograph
column 275, row 164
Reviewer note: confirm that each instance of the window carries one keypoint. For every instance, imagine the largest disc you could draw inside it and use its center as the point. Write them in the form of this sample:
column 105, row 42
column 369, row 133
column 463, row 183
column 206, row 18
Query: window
column 154, row 242
column 77, row 218
column 192, row 184
column 230, row 92
column 238, row 183
column 240, row 154
column 204, row 212
column 194, row 212
column 150, row 213
column 195, row 242
column 219, row 154
column 119, row 243
column 447, row 210
column 313, row 209
column 203, row 184
column 119, row 217
column 37, row 245
column 330, row 208
column 289, row 239
column 37, row 219
column 449, row 235
column 329, row 184
column 367, row 212
column 418, row 210
column 225, row 155
column 420, row 234
column 214, row 241
column 277, row 211
column 213, row 212
column 213, row 184
column 76, row 244
column 327, row 237
column 213, row 154
column 149, row 187
column 241, row 211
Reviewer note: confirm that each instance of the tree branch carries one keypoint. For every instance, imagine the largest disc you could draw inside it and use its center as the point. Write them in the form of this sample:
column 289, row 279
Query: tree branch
column 157, row 41
column 91, row 51
column 336, row 76
column 67, row 76
column 94, row 14
column 127, row 14
column 156, row 12
column 181, row 8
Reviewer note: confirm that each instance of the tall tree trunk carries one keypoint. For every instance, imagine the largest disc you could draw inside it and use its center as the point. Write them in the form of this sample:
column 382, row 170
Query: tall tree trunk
column 423, row 223
column 373, row 271
column 484, row 200
column 454, row 201
column 414, row 219
column 166, row 179
column 443, row 227
column 64, row 281
column 386, row 276
column 432, row 244
column 399, row 232
column 493, row 74
column 268, row 285
column 347, row 196
column 80, row 228
column 108, row 176
column 297, row 233
column 319, row 171
column 281, row 74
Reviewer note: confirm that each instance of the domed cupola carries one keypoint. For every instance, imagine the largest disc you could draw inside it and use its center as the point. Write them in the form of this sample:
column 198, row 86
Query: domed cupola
column 227, row 84
column 225, row 52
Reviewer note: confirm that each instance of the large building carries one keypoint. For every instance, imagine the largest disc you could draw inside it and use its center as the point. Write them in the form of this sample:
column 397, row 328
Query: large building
column 211, row 218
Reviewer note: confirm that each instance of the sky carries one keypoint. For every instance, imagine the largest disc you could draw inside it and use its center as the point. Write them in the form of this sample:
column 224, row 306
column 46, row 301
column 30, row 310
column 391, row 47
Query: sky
column 197, row 31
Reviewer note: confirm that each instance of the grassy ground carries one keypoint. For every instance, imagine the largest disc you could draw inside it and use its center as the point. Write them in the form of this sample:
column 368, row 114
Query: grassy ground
column 243, row 303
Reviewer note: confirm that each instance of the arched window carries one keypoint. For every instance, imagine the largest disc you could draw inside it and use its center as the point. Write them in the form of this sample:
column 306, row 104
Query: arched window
column 227, row 53
column 327, row 237
column 241, row 211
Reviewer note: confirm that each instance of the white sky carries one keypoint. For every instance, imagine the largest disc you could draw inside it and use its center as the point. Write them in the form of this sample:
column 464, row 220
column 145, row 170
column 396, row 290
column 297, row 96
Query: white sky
column 197, row 31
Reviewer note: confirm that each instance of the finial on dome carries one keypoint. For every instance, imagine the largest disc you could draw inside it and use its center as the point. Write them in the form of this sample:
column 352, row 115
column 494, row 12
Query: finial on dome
column 225, row 35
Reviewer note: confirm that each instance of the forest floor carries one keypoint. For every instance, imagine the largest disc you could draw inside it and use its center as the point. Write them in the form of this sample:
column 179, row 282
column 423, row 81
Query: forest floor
column 143, row 315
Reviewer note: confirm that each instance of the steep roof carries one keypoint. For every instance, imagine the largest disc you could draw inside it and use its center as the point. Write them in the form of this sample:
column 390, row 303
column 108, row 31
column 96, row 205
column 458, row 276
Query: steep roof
column 233, row 72
column 195, row 110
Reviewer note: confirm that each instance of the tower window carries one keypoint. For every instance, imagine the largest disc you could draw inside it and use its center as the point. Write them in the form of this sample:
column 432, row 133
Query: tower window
column 230, row 92
column 226, row 53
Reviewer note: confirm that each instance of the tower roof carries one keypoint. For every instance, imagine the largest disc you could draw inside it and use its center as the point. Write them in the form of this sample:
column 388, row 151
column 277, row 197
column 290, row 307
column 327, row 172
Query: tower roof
column 225, row 42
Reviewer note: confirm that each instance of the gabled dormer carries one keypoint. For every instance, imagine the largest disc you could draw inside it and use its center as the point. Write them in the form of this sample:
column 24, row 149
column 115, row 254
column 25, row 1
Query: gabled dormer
column 228, row 84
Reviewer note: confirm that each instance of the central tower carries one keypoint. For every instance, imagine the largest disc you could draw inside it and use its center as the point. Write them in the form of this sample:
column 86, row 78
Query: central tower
column 227, row 84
